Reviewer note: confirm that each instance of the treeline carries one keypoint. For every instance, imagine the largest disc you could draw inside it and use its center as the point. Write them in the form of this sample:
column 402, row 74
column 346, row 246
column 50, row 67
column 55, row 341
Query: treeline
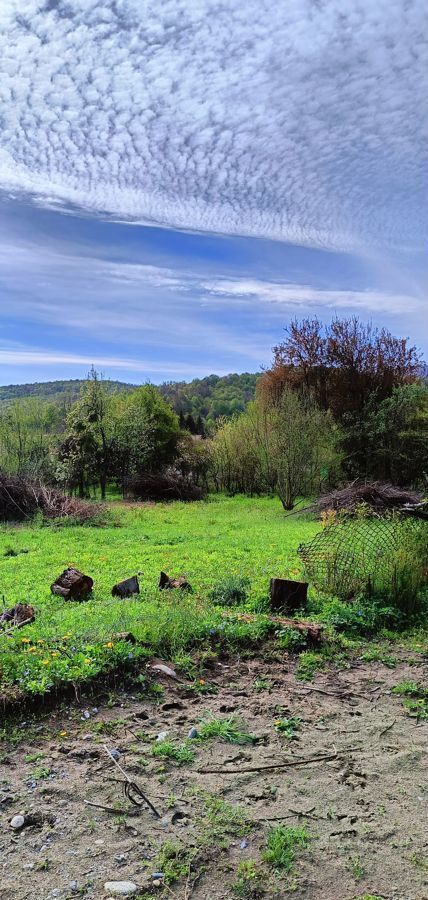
column 340, row 402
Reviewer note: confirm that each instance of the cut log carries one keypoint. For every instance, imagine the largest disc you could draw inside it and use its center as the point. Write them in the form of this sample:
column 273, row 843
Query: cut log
column 125, row 636
column 72, row 585
column 287, row 596
column 21, row 614
column 169, row 583
column 126, row 588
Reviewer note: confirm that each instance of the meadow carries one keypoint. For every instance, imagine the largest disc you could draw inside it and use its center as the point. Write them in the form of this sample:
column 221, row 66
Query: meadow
column 207, row 541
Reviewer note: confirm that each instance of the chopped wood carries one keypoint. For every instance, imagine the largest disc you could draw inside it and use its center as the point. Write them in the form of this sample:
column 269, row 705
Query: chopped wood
column 170, row 583
column 72, row 585
column 286, row 595
column 126, row 588
column 18, row 615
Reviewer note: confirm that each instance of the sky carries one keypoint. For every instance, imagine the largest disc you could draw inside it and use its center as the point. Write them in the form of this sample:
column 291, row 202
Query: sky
column 178, row 180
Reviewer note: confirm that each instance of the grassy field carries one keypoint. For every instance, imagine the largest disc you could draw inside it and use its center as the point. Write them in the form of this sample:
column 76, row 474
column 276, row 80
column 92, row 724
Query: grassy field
column 206, row 541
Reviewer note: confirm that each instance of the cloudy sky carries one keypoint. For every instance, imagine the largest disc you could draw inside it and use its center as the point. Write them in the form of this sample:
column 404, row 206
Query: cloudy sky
column 179, row 179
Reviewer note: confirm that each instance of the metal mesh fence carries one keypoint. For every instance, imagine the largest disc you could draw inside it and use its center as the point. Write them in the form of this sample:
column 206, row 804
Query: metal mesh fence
column 364, row 554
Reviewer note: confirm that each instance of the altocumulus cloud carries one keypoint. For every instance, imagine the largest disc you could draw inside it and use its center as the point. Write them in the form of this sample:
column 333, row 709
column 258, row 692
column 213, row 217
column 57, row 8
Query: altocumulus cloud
column 297, row 120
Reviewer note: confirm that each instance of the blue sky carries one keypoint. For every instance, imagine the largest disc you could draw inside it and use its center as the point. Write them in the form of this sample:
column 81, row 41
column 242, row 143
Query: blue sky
column 179, row 180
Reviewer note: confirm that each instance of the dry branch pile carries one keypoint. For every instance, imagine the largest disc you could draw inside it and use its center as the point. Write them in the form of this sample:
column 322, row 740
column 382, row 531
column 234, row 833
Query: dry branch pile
column 162, row 487
column 375, row 496
column 21, row 499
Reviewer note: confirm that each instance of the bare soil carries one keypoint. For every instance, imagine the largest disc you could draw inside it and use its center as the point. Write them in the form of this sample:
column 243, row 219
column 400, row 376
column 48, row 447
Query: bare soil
column 365, row 809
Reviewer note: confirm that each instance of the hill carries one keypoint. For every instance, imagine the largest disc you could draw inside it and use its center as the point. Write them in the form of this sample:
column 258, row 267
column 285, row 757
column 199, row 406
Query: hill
column 209, row 397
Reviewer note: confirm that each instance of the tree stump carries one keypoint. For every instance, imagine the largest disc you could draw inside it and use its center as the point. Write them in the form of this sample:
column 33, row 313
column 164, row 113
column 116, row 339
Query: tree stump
column 21, row 614
column 287, row 596
column 126, row 588
column 169, row 583
column 72, row 585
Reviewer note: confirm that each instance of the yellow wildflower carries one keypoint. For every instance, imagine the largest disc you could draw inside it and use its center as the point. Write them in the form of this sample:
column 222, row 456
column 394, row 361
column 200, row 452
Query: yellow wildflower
column 54, row 653
column 46, row 662
column 32, row 650
column 25, row 640
column 87, row 661
column 40, row 641
column 109, row 644
column 202, row 681
column 62, row 733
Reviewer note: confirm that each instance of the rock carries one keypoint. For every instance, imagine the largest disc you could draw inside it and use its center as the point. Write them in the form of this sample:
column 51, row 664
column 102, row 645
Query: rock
column 120, row 859
column 120, row 888
column 157, row 876
column 162, row 669
column 193, row 733
column 115, row 753
column 73, row 885
column 243, row 845
column 17, row 822
column 161, row 736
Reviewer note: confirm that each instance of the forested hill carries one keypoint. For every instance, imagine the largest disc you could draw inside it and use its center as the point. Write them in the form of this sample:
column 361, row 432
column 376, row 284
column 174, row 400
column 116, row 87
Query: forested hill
column 211, row 397
column 208, row 398
column 51, row 390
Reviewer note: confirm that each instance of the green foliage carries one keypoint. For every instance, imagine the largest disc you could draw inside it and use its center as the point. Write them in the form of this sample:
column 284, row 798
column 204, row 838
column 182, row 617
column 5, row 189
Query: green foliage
column 291, row 640
column 231, row 591
column 250, row 880
column 175, row 861
column 308, row 665
column 415, row 698
column 211, row 398
column 227, row 728
column 222, row 820
column 288, row 727
column 178, row 753
column 282, row 844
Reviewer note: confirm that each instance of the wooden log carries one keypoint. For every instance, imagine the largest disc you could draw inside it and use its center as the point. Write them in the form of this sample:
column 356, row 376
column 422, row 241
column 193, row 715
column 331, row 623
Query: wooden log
column 165, row 582
column 126, row 588
column 72, row 585
column 311, row 630
column 21, row 614
column 287, row 596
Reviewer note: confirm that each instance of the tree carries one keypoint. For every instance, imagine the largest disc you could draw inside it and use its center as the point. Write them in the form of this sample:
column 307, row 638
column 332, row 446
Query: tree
column 145, row 432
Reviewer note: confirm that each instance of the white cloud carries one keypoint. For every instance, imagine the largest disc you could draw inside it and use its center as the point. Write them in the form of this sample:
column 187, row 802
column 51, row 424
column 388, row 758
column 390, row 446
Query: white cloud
column 44, row 358
column 300, row 295
column 297, row 120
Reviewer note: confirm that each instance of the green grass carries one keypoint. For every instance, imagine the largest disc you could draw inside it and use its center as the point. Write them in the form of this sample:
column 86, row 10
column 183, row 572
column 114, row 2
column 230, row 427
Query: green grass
column 74, row 642
column 282, row 844
column 178, row 753
column 230, row 729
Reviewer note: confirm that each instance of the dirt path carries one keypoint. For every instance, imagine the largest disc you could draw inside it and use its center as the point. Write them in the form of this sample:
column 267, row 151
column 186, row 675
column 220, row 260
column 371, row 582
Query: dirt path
column 365, row 810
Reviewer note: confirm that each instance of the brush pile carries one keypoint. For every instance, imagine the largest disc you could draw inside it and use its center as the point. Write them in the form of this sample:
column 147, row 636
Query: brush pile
column 162, row 486
column 376, row 498
column 21, row 499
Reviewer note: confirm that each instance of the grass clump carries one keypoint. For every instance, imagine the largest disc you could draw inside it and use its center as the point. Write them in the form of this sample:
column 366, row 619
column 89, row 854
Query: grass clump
column 249, row 884
column 282, row 843
column 309, row 664
column 415, row 698
column 221, row 821
column 230, row 729
column 231, row 591
column 178, row 753
column 175, row 861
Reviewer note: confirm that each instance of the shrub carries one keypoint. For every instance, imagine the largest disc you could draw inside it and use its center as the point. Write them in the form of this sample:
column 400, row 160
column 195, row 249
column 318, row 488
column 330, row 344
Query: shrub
column 231, row 591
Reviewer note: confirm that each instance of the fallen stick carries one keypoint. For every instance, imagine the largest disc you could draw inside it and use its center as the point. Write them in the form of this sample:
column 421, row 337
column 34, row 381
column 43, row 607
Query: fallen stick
column 14, row 627
column 133, row 786
column 110, row 809
column 283, row 765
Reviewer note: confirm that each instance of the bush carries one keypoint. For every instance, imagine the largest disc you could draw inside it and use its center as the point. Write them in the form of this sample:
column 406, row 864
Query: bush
column 231, row 591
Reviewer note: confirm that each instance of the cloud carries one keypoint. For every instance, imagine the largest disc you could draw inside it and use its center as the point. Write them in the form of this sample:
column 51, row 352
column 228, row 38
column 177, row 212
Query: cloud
column 296, row 120
column 301, row 295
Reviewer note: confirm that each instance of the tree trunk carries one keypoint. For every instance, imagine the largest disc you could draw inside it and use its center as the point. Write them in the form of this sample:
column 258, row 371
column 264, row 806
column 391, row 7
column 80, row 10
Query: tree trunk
column 287, row 596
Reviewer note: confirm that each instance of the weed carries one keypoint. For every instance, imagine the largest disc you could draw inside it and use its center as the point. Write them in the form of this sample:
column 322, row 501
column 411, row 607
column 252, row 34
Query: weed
column 222, row 820
column 291, row 640
column 178, row 753
column 376, row 655
column 34, row 757
column 39, row 774
column 308, row 666
column 282, row 843
column 249, row 881
column 175, row 861
column 231, row 591
column 288, row 727
column 415, row 698
column 356, row 867
column 262, row 684
column 228, row 728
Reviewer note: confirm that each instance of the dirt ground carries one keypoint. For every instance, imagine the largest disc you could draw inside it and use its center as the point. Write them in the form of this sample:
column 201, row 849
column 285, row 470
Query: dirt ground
column 365, row 809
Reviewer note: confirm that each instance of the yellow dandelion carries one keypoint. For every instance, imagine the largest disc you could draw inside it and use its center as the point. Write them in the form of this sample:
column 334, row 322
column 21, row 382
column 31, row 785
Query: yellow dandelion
column 202, row 681
column 46, row 662
column 63, row 734
column 87, row 661
column 54, row 653
column 32, row 650
column 25, row 640
column 40, row 641
column 109, row 644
